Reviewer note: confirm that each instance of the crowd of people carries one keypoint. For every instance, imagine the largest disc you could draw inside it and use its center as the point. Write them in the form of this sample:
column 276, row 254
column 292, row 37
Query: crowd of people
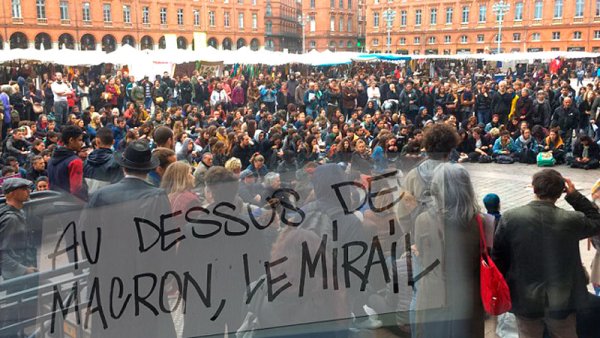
column 190, row 134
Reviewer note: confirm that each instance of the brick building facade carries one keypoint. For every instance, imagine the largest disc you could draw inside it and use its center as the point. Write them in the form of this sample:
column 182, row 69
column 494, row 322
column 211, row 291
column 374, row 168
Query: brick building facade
column 331, row 24
column 283, row 30
column 449, row 27
column 108, row 24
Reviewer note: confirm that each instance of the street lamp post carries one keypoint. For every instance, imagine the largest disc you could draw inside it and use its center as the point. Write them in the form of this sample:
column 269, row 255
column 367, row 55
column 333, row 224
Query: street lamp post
column 303, row 20
column 500, row 8
column 389, row 15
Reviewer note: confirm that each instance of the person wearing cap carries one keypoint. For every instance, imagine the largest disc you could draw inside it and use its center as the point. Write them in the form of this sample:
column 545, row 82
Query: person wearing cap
column 18, row 248
column 65, row 168
column 18, row 254
column 249, row 190
column 124, row 212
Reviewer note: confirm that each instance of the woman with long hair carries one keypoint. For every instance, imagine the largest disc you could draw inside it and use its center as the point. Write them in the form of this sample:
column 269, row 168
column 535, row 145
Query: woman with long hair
column 178, row 183
column 219, row 156
column 448, row 301
column 554, row 144
column 94, row 125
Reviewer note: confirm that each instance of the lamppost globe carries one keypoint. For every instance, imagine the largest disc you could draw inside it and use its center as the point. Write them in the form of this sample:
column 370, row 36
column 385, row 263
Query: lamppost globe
column 303, row 20
column 389, row 15
column 500, row 8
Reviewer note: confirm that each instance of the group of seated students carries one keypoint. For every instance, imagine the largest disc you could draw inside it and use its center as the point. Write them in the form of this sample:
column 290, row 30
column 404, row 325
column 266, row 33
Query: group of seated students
column 498, row 143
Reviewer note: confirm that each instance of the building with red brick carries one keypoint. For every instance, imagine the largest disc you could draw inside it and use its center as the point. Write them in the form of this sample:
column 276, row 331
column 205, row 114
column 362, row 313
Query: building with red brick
column 283, row 30
column 144, row 24
column 331, row 24
column 449, row 27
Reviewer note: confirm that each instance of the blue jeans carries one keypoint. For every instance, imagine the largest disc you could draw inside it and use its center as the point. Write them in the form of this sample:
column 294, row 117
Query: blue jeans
column 483, row 117
column 148, row 103
column 61, row 112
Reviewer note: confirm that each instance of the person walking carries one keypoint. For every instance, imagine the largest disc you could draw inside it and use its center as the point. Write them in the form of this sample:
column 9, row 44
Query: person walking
column 536, row 247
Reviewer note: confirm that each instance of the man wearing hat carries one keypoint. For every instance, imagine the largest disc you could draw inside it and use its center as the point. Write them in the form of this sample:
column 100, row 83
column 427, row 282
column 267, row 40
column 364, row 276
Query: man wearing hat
column 18, row 253
column 125, row 213
column 249, row 191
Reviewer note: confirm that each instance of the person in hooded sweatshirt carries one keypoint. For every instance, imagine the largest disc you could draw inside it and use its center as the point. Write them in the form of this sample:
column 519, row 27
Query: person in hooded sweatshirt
column 65, row 169
column 100, row 168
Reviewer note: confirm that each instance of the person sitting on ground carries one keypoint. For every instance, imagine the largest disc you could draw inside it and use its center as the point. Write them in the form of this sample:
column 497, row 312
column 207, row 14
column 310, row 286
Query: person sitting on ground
column 554, row 144
column 526, row 146
column 504, row 145
column 586, row 154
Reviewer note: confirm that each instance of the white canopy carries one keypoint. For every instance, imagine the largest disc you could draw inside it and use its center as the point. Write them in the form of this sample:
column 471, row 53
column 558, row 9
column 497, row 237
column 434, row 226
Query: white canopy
column 128, row 55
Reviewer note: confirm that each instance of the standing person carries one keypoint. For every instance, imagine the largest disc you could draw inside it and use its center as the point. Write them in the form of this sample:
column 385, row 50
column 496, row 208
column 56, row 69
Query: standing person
column 61, row 91
column 536, row 247
column 448, row 301
column 566, row 117
column 349, row 95
column 502, row 102
column 112, row 210
column 299, row 94
column 18, row 253
column 65, row 168
column 100, row 168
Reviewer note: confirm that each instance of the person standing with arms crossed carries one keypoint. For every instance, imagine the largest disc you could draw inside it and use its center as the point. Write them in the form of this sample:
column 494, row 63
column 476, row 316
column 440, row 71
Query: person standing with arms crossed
column 60, row 90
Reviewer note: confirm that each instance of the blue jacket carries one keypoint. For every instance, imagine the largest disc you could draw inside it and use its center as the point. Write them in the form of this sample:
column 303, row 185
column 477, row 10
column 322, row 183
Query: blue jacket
column 498, row 146
column 101, row 169
column 521, row 145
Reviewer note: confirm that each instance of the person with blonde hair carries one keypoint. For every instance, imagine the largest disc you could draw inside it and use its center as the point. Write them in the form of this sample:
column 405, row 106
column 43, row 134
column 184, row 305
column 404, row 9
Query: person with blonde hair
column 178, row 183
column 234, row 165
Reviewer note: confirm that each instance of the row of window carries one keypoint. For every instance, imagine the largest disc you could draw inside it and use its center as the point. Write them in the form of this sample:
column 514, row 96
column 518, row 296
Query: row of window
column 332, row 44
column 538, row 8
column 107, row 14
column 341, row 24
column 332, row 4
column 481, row 38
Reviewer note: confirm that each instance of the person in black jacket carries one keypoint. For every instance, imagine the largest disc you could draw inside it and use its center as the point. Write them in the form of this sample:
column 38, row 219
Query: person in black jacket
column 478, row 145
column 536, row 247
column 586, row 153
column 566, row 117
column 185, row 91
column 111, row 210
column 38, row 168
column 541, row 111
column 17, row 146
column 100, row 168
column 243, row 150
column 502, row 102
column 361, row 158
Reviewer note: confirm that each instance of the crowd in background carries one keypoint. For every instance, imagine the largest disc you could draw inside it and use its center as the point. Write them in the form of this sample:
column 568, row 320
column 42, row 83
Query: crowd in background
column 281, row 129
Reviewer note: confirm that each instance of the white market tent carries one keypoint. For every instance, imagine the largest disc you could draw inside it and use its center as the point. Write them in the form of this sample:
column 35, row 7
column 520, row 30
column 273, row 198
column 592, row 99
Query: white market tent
column 128, row 55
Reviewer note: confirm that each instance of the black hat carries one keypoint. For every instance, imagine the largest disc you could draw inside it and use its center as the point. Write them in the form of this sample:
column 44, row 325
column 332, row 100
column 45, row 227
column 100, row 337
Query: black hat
column 137, row 156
